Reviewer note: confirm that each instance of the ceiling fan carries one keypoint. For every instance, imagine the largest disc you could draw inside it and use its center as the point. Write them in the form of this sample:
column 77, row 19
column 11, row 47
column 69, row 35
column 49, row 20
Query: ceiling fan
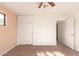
column 45, row 4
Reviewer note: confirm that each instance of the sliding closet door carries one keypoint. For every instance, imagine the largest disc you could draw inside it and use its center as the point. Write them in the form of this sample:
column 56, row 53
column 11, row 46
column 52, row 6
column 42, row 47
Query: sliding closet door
column 69, row 32
column 77, row 32
column 24, row 30
column 44, row 31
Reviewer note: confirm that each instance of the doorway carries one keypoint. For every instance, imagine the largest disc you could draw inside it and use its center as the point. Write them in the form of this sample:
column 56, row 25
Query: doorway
column 65, row 32
column 59, row 32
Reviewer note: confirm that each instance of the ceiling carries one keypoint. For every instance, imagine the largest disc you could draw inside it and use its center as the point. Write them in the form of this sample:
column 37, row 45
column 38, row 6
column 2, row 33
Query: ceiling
column 30, row 8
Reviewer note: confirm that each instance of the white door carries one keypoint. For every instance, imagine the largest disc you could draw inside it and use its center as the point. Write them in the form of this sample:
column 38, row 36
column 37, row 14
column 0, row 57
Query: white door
column 77, row 32
column 69, row 32
column 44, row 31
column 24, row 30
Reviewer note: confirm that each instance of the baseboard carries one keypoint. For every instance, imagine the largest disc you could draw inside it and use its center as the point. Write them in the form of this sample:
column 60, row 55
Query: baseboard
column 8, row 50
column 43, row 45
column 77, row 50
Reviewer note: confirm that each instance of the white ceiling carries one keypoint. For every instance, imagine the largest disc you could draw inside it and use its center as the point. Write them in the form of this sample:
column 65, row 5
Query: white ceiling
column 30, row 8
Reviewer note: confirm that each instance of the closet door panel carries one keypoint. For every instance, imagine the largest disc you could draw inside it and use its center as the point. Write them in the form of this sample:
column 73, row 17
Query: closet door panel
column 44, row 31
column 69, row 33
column 24, row 30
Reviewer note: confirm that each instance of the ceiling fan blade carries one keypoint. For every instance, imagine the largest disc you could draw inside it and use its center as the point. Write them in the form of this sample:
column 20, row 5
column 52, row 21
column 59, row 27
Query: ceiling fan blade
column 40, row 5
column 51, row 4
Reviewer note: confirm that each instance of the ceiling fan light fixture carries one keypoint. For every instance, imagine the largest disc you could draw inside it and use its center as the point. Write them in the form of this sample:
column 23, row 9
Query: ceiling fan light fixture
column 46, row 4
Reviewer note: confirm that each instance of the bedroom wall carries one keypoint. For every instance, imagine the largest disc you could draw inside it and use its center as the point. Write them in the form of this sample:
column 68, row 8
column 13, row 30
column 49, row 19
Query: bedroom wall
column 8, row 32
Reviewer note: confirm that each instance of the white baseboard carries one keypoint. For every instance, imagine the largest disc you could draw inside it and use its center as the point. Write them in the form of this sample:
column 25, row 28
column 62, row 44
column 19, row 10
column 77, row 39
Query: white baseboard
column 8, row 50
column 77, row 50
column 54, row 44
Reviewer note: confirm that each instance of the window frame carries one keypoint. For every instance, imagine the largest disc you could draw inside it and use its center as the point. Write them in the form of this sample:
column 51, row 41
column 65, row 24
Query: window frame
column 4, row 19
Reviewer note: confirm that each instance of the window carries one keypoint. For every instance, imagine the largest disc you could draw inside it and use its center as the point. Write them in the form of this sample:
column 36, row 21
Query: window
column 2, row 19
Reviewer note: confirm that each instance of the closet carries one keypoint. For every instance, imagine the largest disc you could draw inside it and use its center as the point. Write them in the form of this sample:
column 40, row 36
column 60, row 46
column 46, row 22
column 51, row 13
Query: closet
column 36, row 30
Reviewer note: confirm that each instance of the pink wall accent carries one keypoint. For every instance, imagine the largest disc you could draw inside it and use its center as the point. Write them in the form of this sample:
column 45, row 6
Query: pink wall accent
column 8, row 32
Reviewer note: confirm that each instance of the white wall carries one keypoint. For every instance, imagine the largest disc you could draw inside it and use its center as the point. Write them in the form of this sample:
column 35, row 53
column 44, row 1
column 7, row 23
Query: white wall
column 43, row 31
